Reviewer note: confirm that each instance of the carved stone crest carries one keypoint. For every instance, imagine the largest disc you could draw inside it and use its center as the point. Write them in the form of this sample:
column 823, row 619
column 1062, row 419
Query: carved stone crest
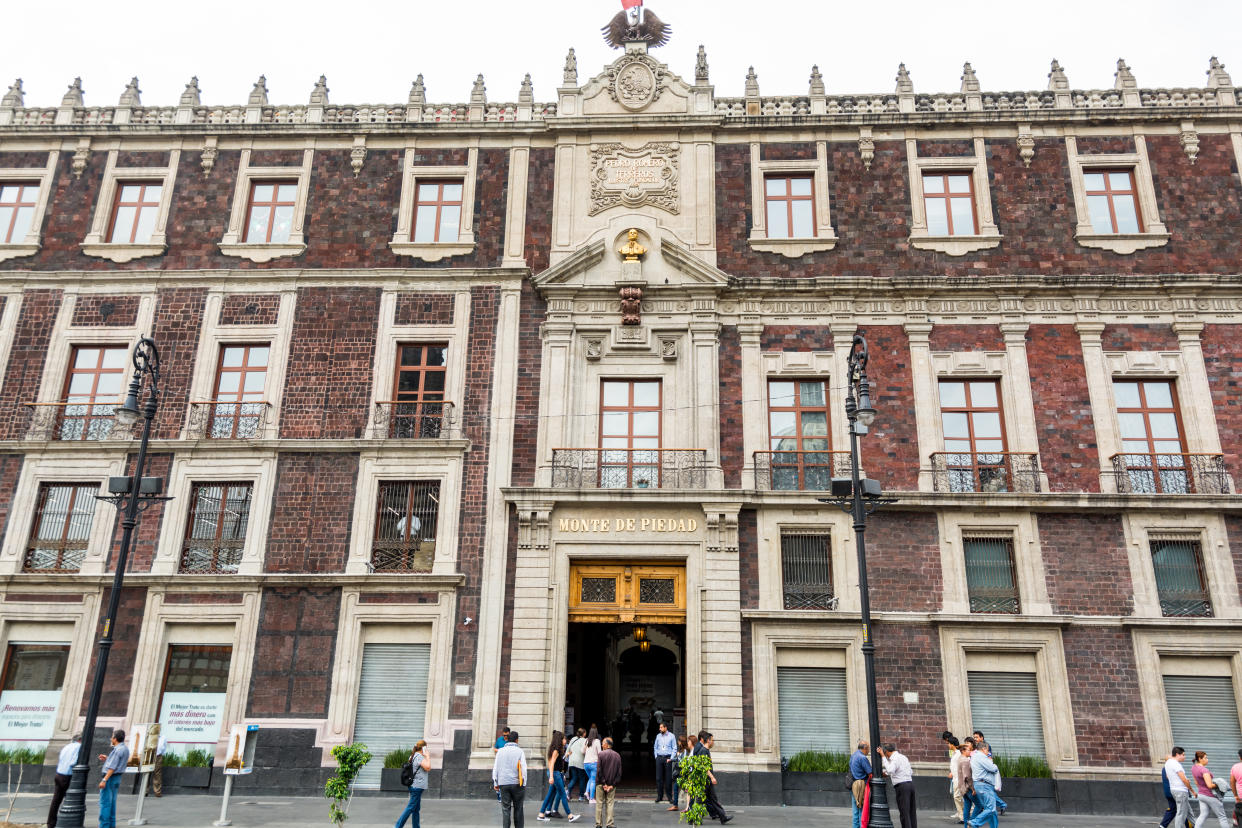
column 622, row 177
column 635, row 81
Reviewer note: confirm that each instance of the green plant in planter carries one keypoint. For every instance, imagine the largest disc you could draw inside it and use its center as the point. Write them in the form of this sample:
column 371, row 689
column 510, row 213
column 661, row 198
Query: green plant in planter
column 819, row 761
column 20, row 757
column 197, row 758
column 172, row 760
column 397, row 758
column 1028, row 767
column 692, row 777
column 340, row 787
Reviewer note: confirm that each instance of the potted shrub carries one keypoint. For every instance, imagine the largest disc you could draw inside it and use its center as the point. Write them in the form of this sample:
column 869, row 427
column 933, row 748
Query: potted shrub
column 193, row 770
column 1025, row 777
column 390, row 775
column 816, row 777
column 340, row 786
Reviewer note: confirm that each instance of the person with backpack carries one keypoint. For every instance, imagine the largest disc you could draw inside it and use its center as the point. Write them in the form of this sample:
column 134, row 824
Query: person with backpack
column 577, row 761
column 414, row 777
column 556, row 781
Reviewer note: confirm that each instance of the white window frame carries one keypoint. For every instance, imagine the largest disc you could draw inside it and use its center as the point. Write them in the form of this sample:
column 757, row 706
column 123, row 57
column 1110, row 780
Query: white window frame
column 403, row 242
column 96, row 242
column 987, row 235
column 825, row 237
column 43, row 178
column 1154, row 234
column 1213, row 539
column 233, row 243
column 1028, row 563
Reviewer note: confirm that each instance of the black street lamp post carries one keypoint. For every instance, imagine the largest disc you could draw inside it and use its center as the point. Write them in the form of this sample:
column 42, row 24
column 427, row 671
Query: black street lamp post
column 141, row 492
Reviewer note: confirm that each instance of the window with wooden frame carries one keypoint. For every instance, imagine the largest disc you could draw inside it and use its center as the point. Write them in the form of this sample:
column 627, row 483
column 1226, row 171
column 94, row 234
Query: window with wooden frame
column 134, row 212
column 990, row 576
column 1112, row 201
column 1181, row 584
column 1153, row 458
column 974, row 435
column 238, row 408
column 437, row 210
column 18, row 203
column 629, row 433
column 790, row 206
column 195, row 676
column 35, row 667
column 799, row 458
column 627, row 592
column 407, row 513
column 806, row 570
column 949, row 199
column 215, row 531
column 92, row 392
column 418, row 407
column 62, row 527
column 270, row 211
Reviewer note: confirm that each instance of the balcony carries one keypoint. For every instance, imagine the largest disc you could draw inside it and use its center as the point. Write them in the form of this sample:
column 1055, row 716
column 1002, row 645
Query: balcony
column 400, row 420
column 75, row 421
column 629, row 469
column 988, row 472
column 396, row 556
column 211, row 557
column 800, row 471
column 1171, row 474
column 227, row 420
column 54, row 556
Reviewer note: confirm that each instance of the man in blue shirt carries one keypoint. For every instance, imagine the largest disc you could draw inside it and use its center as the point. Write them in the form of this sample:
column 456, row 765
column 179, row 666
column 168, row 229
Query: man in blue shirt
column 665, row 750
column 500, row 740
column 860, row 769
column 113, row 768
column 985, row 773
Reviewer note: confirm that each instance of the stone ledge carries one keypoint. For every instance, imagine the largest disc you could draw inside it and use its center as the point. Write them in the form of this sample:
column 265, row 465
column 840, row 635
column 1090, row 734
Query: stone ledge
column 122, row 252
column 1122, row 243
column 17, row 251
column 956, row 245
column 260, row 253
column 431, row 252
column 793, row 248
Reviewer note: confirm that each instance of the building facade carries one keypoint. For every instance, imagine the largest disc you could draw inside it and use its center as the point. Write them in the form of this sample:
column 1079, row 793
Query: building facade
column 521, row 413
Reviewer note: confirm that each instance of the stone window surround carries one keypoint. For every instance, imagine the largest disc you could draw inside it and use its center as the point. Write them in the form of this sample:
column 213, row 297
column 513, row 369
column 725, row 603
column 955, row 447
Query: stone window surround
column 214, row 335
column 233, row 243
column 825, row 237
column 166, row 624
column 239, row 466
column 987, row 234
column 372, row 623
column 772, row 523
column 1028, row 562
column 8, row 325
column 96, row 241
column 1154, row 234
column 61, row 622
column 959, row 645
column 1154, row 649
column 403, row 240
column 440, row 464
column 1208, row 528
column 43, row 177
column 79, row 467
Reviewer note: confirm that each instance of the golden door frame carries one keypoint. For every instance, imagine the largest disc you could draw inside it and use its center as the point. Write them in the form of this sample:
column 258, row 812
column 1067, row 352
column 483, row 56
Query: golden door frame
column 625, row 604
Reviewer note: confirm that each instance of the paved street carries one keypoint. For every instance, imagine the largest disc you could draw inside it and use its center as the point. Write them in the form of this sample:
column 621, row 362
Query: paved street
column 380, row 811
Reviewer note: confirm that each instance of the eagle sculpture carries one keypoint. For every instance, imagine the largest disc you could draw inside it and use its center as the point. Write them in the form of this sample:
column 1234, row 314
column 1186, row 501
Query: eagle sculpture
column 650, row 30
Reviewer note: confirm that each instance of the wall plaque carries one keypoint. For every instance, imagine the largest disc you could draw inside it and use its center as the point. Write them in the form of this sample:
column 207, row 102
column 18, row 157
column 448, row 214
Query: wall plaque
column 622, row 177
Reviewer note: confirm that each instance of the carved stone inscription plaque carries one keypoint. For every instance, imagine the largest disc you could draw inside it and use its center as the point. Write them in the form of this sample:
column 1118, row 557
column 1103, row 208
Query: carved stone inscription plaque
column 623, row 177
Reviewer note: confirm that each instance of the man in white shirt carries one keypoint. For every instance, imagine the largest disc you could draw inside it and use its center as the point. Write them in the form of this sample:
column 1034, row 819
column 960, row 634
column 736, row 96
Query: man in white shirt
column 64, row 775
column 897, row 768
column 1179, row 786
column 509, row 780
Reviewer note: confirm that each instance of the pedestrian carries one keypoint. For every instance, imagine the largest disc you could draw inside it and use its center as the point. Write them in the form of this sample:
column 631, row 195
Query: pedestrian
column 710, row 801
column 421, row 762
column 1168, row 796
column 897, row 768
column 590, row 761
column 665, row 749
column 113, row 767
column 577, row 773
column 984, row 772
column 1235, row 783
column 682, row 752
column 64, row 775
column 608, row 776
column 1179, row 786
column 1209, row 803
column 500, row 740
column 509, row 780
column 157, row 775
column 860, row 775
column 966, row 780
column 1001, row 805
column 955, row 759
column 557, row 765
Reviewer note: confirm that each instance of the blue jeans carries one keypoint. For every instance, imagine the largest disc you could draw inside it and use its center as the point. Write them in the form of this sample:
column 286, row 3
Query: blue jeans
column 556, row 793
column 590, row 767
column 107, row 802
column 411, row 809
column 985, row 809
column 1001, row 804
column 970, row 806
column 857, row 813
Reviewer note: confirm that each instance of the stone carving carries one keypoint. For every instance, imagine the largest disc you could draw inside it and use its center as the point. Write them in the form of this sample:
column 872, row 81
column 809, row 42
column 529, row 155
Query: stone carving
column 15, row 97
column 208, row 159
column 74, row 96
column 632, row 338
column 258, row 95
column 570, row 75
column 970, row 83
column 631, row 303
column 866, row 147
column 1218, row 78
column 1123, row 78
column 478, row 93
column 636, row 25
column 905, row 86
column 1190, row 141
column 635, row 81
column 817, row 81
column 319, row 95
column 594, row 349
column 752, row 83
column 1057, row 80
column 632, row 251
column 1026, row 144
column 130, row 97
column 634, row 177
column 418, row 92
column 192, row 96
column 80, row 156
column 700, row 66
column 526, row 95
column 668, row 349
column 358, row 154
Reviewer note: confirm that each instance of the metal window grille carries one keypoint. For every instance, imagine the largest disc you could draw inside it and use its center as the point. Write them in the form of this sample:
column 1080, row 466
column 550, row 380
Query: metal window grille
column 1180, row 585
column 405, row 526
column 657, row 591
column 215, row 532
column 62, row 527
column 806, row 566
column 599, row 590
column 990, row 579
column 197, row 669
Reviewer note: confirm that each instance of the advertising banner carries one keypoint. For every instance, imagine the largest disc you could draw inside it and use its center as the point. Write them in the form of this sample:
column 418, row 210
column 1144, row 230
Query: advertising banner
column 27, row 718
column 240, row 754
column 192, row 720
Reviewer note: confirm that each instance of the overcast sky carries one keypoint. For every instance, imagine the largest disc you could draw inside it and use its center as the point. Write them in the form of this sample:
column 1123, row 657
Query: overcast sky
column 371, row 50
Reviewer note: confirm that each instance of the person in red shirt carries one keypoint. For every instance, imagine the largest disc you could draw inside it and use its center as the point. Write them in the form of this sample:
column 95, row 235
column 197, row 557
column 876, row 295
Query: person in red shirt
column 1209, row 804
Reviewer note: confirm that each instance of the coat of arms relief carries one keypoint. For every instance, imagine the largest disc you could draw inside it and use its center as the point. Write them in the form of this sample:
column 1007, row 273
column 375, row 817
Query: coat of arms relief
column 623, row 177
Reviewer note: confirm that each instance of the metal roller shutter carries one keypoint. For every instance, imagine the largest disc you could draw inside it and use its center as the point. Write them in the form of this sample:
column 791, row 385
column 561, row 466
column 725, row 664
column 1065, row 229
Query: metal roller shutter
column 1203, row 711
column 1005, row 706
column 812, row 709
column 392, row 702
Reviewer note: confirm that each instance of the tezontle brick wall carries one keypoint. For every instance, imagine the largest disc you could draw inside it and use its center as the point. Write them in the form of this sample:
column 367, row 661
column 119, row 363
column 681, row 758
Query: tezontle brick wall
column 1103, row 679
column 131, row 610
column 26, row 358
column 92, row 311
column 907, row 658
column 1063, row 420
column 424, row 309
column 903, row 561
column 748, row 570
column 178, row 321
column 1233, row 526
column 312, row 512
column 294, row 651
column 891, row 452
column 967, row 338
column 1085, row 564
column 147, row 534
column 10, row 471
column 250, row 309
column 1139, row 338
column 1222, row 358
column 732, row 447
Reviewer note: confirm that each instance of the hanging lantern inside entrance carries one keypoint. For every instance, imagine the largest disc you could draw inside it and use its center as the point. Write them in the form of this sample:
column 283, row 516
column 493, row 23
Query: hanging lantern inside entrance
column 640, row 632
column 644, row 646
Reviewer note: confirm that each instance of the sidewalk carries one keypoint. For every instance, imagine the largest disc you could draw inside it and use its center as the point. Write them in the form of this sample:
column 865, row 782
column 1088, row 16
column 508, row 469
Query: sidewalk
column 381, row 812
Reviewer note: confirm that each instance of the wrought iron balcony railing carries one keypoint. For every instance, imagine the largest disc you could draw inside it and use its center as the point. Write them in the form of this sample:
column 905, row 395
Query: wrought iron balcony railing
column 396, row 556
column 1184, row 603
column 1171, row 474
column 629, row 468
column 426, row 420
column 800, row 471
column 52, row 556
column 75, row 421
column 227, row 420
column 987, row 472
column 211, row 557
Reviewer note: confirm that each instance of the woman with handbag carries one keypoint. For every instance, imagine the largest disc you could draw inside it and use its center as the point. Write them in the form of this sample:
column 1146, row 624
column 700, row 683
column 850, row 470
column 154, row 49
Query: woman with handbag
column 556, row 781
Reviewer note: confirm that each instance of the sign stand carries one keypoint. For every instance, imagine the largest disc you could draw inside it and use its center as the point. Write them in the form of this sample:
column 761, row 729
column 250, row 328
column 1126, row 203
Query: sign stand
column 224, row 805
column 240, row 753
column 142, row 796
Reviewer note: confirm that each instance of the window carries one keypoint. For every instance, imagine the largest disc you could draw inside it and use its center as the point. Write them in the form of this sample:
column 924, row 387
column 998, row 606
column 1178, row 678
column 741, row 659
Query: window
column 238, row 408
column 405, row 526
column 1203, row 712
column 62, row 527
column 806, row 570
column 17, row 209
column 92, row 392
column 1005, row 706
column 135, row 212
column 790, row 207
column 437, row 213
column 35, row 667
column 1180, row 582
column 1115, row 199
column 418, row 406
column 990, row 579
column 950, row 204
column 798, row 435
column 629, row 434
column 1153, row 457
column 1112, row 201
column 196, row 680
column 269, row 214
column 215, row 532
column 33, row 677
column 392, row 701
column 812, row 710
column 974, row 439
